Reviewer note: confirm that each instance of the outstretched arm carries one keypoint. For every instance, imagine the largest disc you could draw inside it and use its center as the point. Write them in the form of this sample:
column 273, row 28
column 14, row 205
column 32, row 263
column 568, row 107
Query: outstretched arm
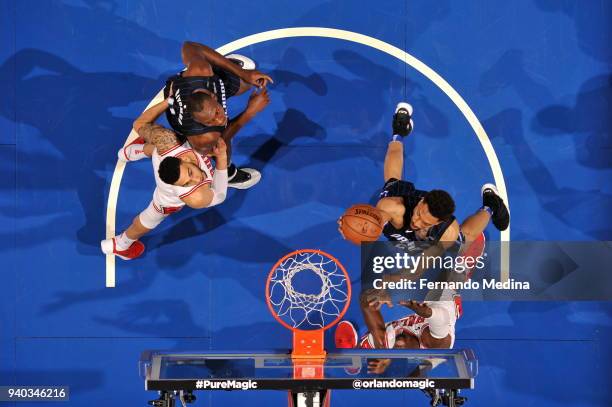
column 150, row 115
column 370, row 302
column 199, row 56
column 257, row 102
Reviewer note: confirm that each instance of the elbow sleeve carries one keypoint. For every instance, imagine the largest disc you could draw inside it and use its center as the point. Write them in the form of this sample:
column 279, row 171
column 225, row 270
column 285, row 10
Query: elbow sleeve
column 219, row 187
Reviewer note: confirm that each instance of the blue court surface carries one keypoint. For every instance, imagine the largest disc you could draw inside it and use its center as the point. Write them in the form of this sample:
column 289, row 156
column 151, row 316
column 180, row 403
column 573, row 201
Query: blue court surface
column 536, row 75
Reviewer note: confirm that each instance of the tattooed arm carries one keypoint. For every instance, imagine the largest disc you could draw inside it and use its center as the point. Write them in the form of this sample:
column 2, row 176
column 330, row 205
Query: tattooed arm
column 162, row 138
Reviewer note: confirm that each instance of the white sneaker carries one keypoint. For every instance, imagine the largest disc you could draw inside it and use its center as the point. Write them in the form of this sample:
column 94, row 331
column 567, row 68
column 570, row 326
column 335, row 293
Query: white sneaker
column 133, row 151
column 244, row 62
column 244, row 178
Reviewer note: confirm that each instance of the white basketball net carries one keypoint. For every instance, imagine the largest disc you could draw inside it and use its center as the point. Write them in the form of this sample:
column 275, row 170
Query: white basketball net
column 307, row 310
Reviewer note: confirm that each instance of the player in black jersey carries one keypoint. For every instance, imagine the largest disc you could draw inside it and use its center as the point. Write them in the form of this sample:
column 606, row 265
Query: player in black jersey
column 198, row 108
column 412, row 215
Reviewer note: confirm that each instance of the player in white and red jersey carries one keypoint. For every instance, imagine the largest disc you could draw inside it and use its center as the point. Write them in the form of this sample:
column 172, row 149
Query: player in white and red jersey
column 431, row 326
column 182, row 177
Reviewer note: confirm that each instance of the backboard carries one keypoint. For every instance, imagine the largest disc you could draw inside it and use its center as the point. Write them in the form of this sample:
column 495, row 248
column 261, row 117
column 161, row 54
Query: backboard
column 342, row 369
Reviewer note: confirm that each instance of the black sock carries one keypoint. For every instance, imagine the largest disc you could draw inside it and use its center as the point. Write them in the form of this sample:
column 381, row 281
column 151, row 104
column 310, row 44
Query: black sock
column 231, row 170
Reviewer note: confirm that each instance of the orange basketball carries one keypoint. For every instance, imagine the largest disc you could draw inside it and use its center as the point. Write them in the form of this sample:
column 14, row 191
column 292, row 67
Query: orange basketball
column 362, row 223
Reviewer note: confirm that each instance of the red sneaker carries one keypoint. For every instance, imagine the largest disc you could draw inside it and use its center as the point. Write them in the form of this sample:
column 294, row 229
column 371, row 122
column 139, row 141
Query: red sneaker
column 133, row 151
column 345, row 335
column 135, row 250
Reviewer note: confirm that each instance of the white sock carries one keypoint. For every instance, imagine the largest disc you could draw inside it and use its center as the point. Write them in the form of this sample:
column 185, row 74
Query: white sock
column 122, row 242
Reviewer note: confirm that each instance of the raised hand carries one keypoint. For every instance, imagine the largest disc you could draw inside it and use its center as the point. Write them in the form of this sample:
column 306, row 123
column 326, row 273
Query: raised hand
column 258, row 101
column 340, row 227
column 257, row 78
column 220, row 149
column 377, row 298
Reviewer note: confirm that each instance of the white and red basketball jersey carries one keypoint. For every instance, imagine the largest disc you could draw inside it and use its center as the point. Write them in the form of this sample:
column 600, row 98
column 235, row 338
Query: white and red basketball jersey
column 168, row 196
column 414, row 324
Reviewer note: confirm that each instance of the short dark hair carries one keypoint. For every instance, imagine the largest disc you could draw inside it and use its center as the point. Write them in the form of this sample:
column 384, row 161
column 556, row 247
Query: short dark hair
column 195, row 102
column 440, row 204
column 169, row 170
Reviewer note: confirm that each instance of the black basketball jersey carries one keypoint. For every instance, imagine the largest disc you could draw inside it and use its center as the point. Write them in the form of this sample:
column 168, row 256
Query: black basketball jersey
column 411, row 197
column 179, row 116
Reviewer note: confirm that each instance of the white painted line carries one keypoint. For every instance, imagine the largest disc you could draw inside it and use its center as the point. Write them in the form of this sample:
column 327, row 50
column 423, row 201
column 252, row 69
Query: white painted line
column 113, row 196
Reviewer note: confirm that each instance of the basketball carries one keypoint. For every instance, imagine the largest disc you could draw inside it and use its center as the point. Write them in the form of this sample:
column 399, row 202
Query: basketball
column 362, row 223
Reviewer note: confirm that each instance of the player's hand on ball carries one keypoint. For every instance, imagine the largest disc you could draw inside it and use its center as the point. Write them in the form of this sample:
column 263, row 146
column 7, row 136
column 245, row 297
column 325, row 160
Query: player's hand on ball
column 361, row 223
column 257, row 78
column 340, row 227
column 420, row 308
column 258, row 101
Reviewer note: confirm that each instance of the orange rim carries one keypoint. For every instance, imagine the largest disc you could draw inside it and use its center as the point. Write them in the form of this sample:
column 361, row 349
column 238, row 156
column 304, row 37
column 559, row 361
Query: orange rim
column 324, row 254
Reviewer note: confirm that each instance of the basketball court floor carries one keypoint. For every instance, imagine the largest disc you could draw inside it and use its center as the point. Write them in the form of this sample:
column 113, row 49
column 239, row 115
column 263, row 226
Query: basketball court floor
column 536, row 75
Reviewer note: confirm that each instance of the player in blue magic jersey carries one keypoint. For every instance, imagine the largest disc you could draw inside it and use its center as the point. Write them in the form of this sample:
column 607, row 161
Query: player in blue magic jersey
column 198, row 110
column 413, row 215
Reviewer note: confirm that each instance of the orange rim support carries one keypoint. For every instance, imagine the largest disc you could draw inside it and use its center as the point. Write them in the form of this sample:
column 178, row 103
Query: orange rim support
column 308, row 354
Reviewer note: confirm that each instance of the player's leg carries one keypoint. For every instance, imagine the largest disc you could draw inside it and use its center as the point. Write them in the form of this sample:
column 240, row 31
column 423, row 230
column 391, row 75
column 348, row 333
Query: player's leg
column 123, row 246
column 239, row 177
column 475, row 224
column 228, row 144
column 493, row 208
column 127, row 244
column 394, row 161
column 136, row 230
column 402, row 126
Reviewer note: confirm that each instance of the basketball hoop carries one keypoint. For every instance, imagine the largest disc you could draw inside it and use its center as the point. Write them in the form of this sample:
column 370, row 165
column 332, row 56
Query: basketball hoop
column 308, row 291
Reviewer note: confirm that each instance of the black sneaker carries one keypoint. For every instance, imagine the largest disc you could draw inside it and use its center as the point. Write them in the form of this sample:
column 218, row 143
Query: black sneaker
column 491, row 198
column 402, row 119
column 242, row 61
column 244, row 178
